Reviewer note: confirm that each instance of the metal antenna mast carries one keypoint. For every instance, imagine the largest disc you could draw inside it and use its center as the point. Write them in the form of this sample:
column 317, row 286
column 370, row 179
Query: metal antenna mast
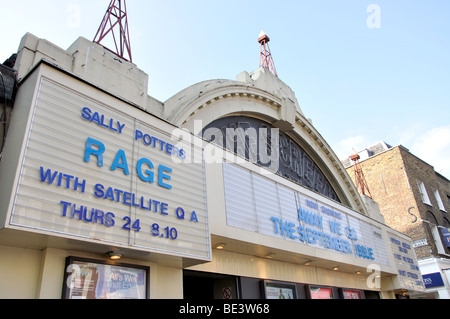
column 360, row 180
column 116, row 18
column 266, row 60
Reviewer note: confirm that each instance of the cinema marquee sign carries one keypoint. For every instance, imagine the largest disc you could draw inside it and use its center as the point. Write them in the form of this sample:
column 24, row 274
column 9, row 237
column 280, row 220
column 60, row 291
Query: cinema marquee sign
column 94, row 172
column 300, row 217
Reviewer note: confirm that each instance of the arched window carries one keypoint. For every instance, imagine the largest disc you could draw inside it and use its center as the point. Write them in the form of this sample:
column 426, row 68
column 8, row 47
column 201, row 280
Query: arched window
column 446, row 223
column 436, row 232
column 431, row 218
column 251, row 138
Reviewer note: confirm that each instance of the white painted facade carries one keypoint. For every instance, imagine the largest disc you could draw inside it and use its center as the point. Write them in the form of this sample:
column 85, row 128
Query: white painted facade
column 73, row 103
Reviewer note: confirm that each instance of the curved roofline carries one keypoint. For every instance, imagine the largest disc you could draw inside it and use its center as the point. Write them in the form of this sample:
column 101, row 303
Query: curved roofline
column 261, row 95
column 182, row 105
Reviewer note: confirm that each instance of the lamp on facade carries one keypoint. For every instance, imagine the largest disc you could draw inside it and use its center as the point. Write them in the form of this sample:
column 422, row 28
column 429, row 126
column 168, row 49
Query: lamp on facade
column 114, row 255
column 220, row 246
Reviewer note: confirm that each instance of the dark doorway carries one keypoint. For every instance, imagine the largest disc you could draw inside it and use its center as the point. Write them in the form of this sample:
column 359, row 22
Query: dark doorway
column 207, row 286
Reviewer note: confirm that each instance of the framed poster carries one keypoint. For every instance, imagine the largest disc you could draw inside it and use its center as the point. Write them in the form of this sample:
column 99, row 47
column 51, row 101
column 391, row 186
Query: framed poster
column 321, row 293
column 351, row 294
column 278, row 290
column 93, row 279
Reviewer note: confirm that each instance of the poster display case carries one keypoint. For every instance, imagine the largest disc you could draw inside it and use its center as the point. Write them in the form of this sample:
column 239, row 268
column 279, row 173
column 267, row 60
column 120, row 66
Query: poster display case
column 93, row 279
column 278, row 290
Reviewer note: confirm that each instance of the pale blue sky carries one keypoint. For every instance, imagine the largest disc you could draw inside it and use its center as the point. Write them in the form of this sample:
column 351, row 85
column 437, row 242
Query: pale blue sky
column 359, row 85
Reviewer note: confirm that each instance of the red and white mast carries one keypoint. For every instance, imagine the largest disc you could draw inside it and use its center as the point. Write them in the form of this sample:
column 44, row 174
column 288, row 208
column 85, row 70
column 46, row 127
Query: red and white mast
column 115, row 24
column 360, row 180
column 266, row 60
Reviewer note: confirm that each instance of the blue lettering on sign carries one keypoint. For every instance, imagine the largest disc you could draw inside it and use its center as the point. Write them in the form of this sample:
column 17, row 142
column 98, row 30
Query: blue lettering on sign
column 95, row 148
column 412, row 275
column 194, row 217
column 82, row 213
column 406, row 246
column 403, row 248
column 408, row 260
column 130, row 199
column 62, row 180
column 96, row 151
column 351, row 233
column 159, row 144
column 309, row 218
column 101, row 120
column 331, row 213
column 286, row 229
column 120, row 161
column 301, row 233
column 312, row 204
column 364, row 252
column 309, row 235
column 162, row 176
column 335, row 227
column 149, row 174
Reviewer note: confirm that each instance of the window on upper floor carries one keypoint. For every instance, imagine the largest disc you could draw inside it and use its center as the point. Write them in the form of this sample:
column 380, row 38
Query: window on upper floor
column 423, row 193
column 439, row 200
column 446, row 223
column 436, row 233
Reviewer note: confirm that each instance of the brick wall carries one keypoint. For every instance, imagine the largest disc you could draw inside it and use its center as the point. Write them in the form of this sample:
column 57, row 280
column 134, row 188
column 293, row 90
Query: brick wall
column 392, row 179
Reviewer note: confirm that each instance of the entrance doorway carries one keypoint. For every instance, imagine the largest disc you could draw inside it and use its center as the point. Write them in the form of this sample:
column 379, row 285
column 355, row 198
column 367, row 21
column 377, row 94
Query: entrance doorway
column 207, row 286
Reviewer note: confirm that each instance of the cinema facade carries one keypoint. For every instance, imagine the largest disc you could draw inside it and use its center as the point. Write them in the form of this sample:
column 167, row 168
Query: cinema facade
column 225, row 191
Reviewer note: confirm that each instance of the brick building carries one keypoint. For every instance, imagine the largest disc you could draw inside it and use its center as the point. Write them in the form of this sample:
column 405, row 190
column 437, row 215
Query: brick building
column 413, row 199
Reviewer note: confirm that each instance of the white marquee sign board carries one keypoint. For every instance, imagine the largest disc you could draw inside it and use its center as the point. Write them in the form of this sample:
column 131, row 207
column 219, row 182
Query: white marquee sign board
column 94, row 172
column 258, row 204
